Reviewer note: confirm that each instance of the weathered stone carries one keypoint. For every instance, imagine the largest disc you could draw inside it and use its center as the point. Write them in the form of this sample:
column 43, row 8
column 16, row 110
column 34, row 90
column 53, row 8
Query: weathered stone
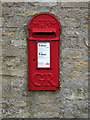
column 20, row 103
column 71, row 54
column 13, row 22
column 27, row 13
column 46, row 115
column 13, row 62
column 81, row 63
column 8, row 32
column 20, row 43
column 7, row 12
column 22, row 114
column 75, row 4
column 13, row 51
column 85, row 25
column 16, row 37
column 14, row 4
column 50, row 4
column 70, row 101
column 0, row 9
column 13, row 72
column 70, row 13
column 73, row 96
column 0, row 22
column 87, row 43
column 75, row 74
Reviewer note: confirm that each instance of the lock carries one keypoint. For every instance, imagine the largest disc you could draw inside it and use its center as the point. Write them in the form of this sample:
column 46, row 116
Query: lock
column 43, row 52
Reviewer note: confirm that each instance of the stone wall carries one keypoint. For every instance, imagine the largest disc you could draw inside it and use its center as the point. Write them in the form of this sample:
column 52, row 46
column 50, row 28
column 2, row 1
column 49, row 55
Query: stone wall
column 71, row 100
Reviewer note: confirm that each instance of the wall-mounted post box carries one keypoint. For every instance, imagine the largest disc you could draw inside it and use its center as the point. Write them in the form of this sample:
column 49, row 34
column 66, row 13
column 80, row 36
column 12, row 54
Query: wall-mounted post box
column 43, row 52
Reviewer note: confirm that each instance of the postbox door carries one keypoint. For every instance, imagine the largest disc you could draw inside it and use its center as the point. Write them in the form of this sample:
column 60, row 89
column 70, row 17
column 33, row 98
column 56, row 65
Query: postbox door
column 43, row 78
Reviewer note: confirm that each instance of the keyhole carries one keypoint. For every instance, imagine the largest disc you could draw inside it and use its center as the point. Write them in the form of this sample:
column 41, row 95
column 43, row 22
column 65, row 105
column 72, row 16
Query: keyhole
column 33, row 59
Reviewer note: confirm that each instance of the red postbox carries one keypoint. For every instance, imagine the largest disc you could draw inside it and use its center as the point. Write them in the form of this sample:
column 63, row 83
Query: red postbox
column 43, row 52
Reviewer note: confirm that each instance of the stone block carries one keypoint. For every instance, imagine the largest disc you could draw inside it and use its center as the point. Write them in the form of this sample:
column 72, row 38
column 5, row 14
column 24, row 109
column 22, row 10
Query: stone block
column 13, row 51
column 13, row 72
column 71, row 54
column 12, row 4
column 75, row 4
column 0, row 9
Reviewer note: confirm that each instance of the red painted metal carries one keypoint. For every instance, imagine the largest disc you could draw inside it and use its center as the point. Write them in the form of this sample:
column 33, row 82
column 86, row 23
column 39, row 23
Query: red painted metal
column 43, row 27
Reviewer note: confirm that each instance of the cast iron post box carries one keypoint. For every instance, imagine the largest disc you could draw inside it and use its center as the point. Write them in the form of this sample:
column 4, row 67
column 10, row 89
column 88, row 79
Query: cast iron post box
column 43, row 52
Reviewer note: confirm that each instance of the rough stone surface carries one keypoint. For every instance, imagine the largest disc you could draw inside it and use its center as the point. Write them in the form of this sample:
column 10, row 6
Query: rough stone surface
column 71, row 100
